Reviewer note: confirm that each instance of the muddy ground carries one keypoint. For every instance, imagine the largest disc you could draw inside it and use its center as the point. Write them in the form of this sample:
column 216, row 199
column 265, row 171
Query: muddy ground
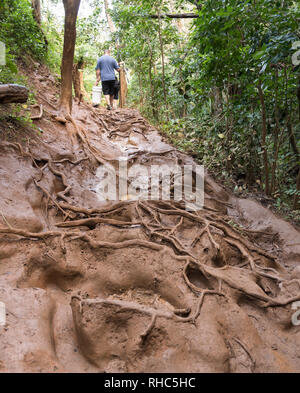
column 133, row 286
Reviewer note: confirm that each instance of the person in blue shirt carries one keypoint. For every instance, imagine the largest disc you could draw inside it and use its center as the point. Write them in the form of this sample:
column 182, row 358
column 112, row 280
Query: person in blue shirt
column 105, row 71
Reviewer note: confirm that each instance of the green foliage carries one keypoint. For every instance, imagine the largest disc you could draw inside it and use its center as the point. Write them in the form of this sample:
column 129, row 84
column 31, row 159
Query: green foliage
column 20, row 34
column 18, row 29
column 54, row 33
column 214, row 66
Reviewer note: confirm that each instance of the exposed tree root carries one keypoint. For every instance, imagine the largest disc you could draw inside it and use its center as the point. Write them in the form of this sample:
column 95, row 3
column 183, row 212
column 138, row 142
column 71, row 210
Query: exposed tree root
column 70, row 161
column 153, row 313
column 149, row 328
column 85, row 141
column 40, row 115
column 127, row 134
column 247, row 352
column 183, row 254
column 92, row 222
column 68, row 187
column 5, row 220
column 47, row 101
column 150, row 217
column 50, row 197
column 30, row 235
column 115, row 208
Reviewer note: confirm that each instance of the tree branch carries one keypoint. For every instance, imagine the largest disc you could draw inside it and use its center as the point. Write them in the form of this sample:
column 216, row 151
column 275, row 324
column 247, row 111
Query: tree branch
column 175, row 16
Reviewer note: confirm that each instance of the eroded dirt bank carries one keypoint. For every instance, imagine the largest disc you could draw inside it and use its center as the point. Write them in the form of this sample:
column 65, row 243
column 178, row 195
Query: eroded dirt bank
column 133, row 286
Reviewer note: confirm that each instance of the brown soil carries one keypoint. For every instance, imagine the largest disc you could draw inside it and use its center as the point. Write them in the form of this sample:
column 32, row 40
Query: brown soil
column 133, row 286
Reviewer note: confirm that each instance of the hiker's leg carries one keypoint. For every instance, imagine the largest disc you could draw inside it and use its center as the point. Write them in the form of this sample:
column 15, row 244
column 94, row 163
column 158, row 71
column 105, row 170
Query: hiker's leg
column 116, row 97
column 112, row 100
column 106, row 87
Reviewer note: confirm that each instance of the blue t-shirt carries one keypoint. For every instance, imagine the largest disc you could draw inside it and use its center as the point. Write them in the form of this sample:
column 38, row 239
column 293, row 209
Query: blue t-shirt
column 107, row 66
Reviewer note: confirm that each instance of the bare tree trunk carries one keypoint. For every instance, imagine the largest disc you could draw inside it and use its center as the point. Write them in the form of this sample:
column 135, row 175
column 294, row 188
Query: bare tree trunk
column 293, row 141
column 276, row 138
column 263, row 137
column 154, row 110
column 77, row 82
column 71, row 12
column 85, row 94
column 36, row 8
column 141, row 92
column 298, row 96
column 163, row 64
column 110, row 22
column 217, row 106
column 175, row 16
column 141, row 86
column 289, row 126
column 296, row 197
column 123, row 85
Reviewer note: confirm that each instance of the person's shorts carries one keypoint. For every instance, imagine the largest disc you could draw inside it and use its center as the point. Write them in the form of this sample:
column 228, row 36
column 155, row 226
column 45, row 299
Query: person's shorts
column 108, row 88
column 116, row 91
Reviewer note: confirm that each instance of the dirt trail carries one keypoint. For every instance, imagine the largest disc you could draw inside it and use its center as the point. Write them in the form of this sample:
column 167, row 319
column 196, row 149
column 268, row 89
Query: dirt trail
column 133, row 286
